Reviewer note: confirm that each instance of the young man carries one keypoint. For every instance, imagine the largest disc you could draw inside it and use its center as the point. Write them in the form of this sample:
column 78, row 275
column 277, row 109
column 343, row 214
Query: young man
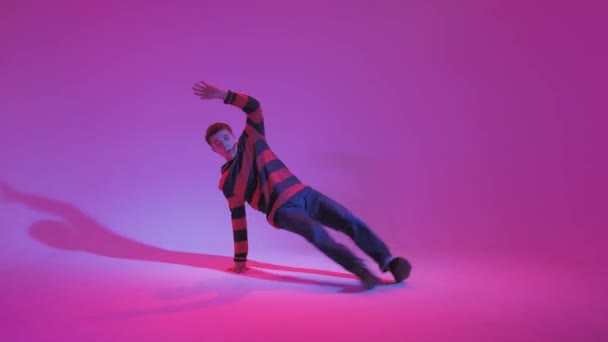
column 253, row 174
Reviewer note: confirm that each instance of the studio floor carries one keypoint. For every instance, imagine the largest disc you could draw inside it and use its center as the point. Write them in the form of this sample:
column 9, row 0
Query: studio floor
column 151, row 294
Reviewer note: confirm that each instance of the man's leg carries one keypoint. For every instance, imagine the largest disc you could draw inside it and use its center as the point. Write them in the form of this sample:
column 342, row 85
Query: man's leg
column 334, row 215
column 296, row 220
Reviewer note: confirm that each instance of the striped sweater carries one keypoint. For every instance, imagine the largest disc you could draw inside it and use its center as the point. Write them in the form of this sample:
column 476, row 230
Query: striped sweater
column 254, row 176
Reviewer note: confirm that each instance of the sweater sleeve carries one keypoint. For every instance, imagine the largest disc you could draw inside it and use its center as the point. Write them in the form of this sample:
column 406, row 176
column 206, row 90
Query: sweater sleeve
column 239, row 228
column 251, row 106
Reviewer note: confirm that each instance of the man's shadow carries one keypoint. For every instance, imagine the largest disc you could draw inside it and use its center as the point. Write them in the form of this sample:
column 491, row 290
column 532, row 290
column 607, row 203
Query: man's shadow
column 74, row 230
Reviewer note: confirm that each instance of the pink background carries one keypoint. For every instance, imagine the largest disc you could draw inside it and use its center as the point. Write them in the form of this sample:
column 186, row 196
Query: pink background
column 459, row 130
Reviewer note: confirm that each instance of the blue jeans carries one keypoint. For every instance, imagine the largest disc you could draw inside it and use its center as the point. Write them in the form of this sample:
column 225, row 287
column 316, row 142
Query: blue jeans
column 310, row 210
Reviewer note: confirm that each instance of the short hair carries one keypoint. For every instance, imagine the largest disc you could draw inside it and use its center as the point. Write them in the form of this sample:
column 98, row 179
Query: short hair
column 214, row 128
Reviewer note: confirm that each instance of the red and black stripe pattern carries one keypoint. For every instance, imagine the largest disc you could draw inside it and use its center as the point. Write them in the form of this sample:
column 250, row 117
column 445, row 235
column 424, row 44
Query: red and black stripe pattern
column 254, row 176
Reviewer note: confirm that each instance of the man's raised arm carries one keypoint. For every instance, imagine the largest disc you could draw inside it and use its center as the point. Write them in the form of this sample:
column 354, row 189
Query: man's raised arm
column 248, row 104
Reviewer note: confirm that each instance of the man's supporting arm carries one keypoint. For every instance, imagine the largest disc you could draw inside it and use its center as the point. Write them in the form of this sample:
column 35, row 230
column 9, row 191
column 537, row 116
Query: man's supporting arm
column 239, row 229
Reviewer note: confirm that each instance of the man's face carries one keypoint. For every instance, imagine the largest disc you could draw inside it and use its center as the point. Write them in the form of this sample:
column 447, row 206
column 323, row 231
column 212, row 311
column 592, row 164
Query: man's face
column 224, row 144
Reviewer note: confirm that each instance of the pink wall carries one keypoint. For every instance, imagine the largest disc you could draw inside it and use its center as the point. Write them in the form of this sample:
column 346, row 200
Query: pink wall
column 448, row 127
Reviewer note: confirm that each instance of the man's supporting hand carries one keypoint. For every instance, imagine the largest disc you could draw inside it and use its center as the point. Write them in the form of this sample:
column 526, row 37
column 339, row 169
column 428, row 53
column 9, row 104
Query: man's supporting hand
column 240, row 267
column 208, row 92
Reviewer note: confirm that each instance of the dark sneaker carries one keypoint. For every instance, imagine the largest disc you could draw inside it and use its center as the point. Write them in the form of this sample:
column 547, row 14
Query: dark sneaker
column 400, row 268
column 368, row 279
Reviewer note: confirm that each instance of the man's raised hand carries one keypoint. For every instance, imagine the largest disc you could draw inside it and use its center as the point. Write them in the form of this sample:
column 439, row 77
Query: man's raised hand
column 208, row 92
